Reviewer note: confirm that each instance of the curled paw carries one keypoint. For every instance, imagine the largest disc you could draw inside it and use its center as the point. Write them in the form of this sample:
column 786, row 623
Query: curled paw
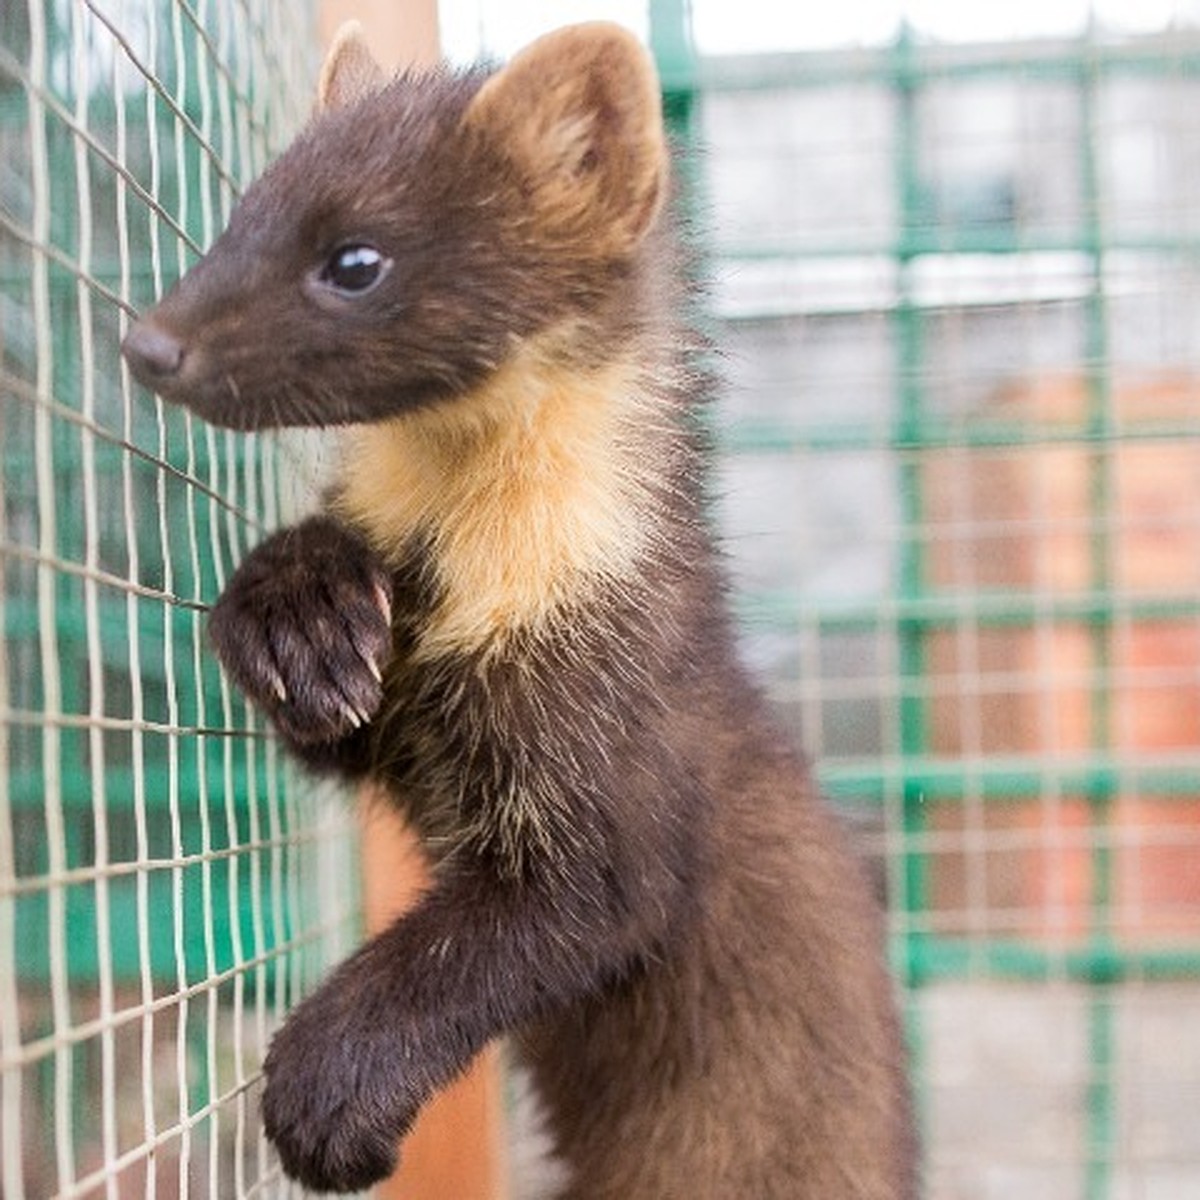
column 329, row 1144
column 304, row 628
column 335, row 1105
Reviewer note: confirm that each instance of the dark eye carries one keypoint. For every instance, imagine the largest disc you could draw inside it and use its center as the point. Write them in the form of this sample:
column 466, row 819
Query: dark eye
column 355, row 269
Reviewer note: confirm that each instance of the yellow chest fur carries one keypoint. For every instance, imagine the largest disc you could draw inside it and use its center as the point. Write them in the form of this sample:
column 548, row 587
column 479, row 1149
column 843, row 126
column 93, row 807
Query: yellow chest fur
column 528, row 492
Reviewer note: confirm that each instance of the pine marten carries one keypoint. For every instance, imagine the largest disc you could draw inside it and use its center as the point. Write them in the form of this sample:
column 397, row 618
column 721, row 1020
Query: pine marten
column 511, row 614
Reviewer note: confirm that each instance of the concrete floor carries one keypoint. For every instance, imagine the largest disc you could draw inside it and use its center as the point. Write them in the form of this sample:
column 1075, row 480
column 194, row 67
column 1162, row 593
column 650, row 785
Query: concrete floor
column 1005, row 1078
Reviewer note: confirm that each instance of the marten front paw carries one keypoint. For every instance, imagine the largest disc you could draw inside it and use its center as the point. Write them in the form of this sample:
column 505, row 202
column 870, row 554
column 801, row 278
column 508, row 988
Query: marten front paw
column 335, row 1104
column 304, row 628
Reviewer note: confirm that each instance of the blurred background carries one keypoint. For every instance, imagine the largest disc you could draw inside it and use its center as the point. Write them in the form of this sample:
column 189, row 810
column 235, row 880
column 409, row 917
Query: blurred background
column 952, row 255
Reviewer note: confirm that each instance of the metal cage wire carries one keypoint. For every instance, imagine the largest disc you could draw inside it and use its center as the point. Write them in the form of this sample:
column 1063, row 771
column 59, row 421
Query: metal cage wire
column 167, row 886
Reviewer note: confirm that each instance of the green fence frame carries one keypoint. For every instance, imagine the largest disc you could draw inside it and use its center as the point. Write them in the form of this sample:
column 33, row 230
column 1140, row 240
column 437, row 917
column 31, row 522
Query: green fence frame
column 904, row 68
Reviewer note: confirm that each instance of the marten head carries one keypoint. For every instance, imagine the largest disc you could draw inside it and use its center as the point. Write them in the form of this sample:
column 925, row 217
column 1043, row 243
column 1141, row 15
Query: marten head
column 417, row 234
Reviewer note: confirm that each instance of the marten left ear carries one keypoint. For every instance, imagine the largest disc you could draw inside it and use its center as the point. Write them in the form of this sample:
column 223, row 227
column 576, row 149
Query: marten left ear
column 349, row 72
column 580, row 115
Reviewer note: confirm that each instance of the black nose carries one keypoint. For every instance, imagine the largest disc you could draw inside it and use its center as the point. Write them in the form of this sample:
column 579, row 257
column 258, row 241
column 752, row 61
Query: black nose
column 152, row 353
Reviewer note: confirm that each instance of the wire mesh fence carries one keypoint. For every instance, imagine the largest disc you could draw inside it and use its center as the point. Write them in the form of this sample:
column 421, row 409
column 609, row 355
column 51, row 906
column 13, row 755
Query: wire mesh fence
column 167, row 885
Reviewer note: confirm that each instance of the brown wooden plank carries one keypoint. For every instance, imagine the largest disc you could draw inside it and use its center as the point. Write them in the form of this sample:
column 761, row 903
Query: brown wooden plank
column 455, row 1151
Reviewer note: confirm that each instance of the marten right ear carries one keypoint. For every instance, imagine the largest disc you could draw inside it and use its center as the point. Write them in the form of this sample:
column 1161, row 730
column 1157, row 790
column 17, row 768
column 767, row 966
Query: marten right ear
column 350, row 71
column 579, row 114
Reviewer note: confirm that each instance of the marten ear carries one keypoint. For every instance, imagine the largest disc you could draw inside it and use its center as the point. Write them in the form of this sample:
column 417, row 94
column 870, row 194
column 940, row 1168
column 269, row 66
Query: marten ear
column 580, row 115
column 350, row 71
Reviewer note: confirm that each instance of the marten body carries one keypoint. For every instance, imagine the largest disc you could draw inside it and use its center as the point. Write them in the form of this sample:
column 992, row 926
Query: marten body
column 512, row 615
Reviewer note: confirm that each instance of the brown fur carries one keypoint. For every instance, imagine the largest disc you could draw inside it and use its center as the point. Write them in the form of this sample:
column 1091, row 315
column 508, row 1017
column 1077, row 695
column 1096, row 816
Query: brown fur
column 568, row 106
column 513, row 615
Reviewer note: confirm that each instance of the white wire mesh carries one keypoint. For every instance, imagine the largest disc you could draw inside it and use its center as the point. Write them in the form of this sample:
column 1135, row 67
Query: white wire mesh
column 168, row 886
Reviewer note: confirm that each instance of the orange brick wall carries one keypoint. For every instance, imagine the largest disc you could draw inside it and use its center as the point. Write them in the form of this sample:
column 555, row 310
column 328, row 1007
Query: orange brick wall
column 1056, row 521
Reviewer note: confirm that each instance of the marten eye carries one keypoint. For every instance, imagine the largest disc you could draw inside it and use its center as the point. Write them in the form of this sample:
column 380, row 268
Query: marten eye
column 355, row 269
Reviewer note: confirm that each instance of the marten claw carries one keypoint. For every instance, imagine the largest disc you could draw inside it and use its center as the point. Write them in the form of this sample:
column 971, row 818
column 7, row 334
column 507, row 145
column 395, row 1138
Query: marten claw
column 383, row 598
column 278, row 687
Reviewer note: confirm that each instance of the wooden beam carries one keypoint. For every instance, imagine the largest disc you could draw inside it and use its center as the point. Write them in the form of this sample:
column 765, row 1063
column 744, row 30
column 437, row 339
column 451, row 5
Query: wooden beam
column 456, row 1150
column 402, row 32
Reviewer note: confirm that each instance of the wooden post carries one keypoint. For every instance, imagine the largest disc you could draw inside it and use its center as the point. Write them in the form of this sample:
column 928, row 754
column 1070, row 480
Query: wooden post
column 401, row 32
column 455, row 1151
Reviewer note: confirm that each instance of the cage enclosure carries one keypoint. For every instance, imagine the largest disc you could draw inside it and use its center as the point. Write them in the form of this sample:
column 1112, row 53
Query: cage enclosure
column 954, row 286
